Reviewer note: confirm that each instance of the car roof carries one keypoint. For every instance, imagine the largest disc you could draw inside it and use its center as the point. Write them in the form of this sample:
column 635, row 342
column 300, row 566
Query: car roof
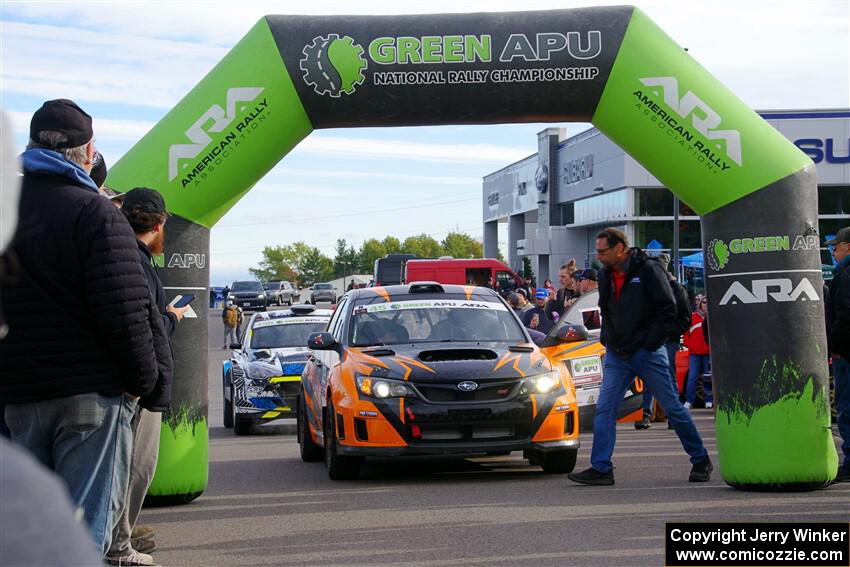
column 288, row 313
column 429, row 290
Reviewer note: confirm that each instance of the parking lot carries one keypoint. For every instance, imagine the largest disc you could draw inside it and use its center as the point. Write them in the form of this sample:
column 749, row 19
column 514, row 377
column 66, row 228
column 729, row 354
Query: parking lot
column 263, row 506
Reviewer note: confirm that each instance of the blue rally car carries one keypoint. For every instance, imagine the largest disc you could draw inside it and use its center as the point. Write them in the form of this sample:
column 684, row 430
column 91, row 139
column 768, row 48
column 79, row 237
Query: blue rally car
column 261, row 380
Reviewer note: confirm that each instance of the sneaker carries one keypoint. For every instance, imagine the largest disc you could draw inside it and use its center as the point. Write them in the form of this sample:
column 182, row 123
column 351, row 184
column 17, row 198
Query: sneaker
column 645, row 423
column 709, row 405
column 688, row 405
column 843, row 474
column 142, row 532
column 132, row 558
column 144, row 545
column 701, row 471
column 592, row 476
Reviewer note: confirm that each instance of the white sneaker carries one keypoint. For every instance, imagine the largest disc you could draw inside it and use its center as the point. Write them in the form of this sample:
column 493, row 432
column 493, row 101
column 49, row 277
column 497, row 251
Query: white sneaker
column 132, row 558
column 687, row 405
column 709, row 405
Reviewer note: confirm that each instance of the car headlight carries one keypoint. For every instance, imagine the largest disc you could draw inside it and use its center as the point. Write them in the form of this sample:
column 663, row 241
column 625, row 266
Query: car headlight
column 261, row 373
column 542, row 383
column 260, row 296
column 383, row 388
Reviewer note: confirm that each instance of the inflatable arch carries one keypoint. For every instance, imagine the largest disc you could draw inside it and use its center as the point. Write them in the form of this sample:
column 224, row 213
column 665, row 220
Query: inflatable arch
column 610, row 66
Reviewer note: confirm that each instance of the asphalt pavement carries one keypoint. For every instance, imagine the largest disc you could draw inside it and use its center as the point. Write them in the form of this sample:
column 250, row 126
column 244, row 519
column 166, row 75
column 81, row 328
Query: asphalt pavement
column 263, row 506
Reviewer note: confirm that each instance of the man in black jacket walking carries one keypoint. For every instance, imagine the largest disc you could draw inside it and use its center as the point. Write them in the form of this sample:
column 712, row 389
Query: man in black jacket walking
column 638, row 314
column 80, row 347
column 145, row 211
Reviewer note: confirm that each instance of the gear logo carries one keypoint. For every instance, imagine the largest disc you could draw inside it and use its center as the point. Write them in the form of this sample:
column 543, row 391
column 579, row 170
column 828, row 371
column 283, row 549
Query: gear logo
column 333, row 65
column 718, row 254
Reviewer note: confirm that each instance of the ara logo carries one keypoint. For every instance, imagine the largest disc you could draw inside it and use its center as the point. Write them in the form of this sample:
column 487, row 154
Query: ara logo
column 198, row 132
column 333, row 65
column 705, row 119
column 761, row 291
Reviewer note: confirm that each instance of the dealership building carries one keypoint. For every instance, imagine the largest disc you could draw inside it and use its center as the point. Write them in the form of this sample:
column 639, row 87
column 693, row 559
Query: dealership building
column 555, row 201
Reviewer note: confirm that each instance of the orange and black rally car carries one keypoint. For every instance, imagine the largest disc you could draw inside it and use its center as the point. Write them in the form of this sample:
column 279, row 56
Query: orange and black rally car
column 432, row 369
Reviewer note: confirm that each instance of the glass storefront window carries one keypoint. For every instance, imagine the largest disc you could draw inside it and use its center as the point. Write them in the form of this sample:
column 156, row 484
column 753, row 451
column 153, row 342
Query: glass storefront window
column 834, row 200
column 602, row 207
column 654, row 202
column 690, row 234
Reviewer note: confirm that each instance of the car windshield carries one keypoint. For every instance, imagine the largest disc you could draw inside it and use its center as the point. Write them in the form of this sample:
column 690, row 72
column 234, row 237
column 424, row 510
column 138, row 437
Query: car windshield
column 434, row 320
column 269, row 286
column 585, row 311
column 246, row 286
column 323, row 286
column 283, row 334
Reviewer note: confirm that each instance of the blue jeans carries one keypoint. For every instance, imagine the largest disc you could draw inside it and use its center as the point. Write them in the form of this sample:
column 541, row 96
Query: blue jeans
column 698, row 364
column 617, row 375
column 86, row 440
column 841, row 370
column 672, row 348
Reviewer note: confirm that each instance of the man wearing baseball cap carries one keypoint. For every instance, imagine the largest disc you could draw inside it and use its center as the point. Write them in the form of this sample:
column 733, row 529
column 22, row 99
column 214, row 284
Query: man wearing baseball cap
column 587, row 280
column 838, row 340
column 79, row 351
column 145, row 210
column 536, row 318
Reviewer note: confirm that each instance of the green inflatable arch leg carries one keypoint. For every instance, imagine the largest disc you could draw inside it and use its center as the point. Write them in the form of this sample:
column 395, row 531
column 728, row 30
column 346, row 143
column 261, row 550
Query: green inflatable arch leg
column 612, row 66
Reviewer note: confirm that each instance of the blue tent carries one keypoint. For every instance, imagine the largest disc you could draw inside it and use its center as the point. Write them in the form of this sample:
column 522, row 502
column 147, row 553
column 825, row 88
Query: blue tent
column 693, row 261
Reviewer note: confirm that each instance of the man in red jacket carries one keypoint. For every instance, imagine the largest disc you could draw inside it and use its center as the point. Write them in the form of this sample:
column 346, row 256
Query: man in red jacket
column 699, row 361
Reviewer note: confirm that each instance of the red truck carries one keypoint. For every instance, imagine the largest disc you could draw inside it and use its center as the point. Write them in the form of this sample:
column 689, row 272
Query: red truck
column 474, row 271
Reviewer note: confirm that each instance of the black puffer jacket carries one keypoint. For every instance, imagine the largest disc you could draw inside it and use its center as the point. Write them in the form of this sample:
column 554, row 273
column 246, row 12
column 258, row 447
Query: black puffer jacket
column 78, row 312
column 645, row 314
column 163, row 325
column 838, row 311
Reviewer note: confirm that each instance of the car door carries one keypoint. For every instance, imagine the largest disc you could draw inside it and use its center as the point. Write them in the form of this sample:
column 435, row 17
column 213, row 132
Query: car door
column 316, row 377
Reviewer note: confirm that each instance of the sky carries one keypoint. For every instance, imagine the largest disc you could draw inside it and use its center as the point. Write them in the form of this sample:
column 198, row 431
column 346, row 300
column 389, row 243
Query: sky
column 128, row 63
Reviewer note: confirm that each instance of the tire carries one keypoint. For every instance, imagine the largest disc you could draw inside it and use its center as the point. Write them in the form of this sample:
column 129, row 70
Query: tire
column 310, row 452
column 339, row 467
column 242, row 427
column 559, row 462
column 228, row 404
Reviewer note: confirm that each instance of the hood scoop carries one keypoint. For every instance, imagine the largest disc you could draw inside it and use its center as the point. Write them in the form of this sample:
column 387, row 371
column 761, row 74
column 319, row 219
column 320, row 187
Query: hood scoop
column 450, row 355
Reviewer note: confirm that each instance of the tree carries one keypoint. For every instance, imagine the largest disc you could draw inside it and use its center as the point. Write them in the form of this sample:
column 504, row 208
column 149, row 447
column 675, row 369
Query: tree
column 392, row 245
column 460, row 245
column 281, row 263
column 423, row 246
column 370, row 251
column 316, row 267
column 527, row 271
column 346, row 260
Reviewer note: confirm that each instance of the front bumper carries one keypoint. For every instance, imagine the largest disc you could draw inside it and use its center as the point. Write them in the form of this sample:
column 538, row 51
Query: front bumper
column 249, row 303
column 417, row 427
column 278, row 401
column 460, row 448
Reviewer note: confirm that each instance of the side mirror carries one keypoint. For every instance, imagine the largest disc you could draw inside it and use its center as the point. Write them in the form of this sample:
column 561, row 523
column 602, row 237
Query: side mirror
column 235, row 346
column 321, row 341
column 572, row 333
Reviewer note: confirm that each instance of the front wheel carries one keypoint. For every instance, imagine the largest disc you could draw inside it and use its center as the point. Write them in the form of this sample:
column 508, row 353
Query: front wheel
column 242, row 427
column 559, row 462
column 310, row 452
column 339, row 467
